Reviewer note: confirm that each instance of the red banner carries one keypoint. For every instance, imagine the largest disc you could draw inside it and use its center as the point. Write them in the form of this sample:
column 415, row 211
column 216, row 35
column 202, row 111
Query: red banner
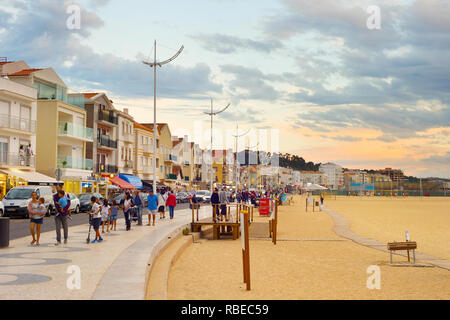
column 264, row 207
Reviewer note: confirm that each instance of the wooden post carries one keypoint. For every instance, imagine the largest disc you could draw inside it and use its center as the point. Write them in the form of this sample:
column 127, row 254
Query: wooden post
column 198, row 206
column 245, row 248
column 275, row 224
column 214, row 208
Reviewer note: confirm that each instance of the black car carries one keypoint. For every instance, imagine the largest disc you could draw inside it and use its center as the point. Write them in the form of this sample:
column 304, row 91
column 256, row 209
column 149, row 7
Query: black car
column 85, row 200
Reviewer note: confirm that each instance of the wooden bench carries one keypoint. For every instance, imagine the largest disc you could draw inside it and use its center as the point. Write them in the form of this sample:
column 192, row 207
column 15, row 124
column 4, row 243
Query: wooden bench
column 408, row 245
column 219, row 228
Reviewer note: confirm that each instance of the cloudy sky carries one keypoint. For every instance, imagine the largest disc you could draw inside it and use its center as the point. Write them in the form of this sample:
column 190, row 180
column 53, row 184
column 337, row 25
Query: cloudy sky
column 333, row 88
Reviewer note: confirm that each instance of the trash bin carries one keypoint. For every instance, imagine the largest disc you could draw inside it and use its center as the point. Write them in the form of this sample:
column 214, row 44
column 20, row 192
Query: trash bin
column 4, row 232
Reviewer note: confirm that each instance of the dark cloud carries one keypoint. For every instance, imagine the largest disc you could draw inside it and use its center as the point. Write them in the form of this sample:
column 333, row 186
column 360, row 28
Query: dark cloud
column 40, row 37
column 251, row 83
column 226, row 44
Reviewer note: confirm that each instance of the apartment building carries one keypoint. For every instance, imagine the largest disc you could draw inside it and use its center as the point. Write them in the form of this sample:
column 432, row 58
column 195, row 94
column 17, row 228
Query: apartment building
column 61, row 131
column 393, row 174
column 164, row 151
column 102, row 118
column 143, row 155
column 334, row 175
column 18, row 105
column 125, row 142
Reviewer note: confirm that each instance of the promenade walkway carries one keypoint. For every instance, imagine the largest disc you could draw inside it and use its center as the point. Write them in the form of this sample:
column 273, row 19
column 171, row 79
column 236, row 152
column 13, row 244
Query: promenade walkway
column 113, row 269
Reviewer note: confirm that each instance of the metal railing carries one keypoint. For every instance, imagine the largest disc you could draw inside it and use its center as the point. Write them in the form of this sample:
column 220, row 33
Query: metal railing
column 107, row 116
column 75, row 163
column 128, row 164
column 74, row 130
column 16, row 159
column 16, row 123
column 106, row 141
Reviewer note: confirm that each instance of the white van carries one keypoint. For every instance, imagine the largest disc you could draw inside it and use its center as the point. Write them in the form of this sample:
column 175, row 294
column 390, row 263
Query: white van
column 17, row 199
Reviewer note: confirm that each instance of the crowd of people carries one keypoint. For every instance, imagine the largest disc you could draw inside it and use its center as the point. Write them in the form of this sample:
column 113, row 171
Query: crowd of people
column 104, row 213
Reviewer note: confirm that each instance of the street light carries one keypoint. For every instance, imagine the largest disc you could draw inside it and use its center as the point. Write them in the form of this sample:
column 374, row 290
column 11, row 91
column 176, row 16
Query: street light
column 153, row 65
column 212, row 114
column 237, row 136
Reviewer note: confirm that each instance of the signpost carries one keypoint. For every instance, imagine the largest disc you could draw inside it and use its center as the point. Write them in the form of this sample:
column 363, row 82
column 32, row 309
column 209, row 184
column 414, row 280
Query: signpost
column 245, row 247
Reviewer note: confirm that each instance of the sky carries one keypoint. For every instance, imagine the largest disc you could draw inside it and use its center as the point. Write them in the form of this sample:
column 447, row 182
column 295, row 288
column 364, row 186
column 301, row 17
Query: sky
column 309, row 72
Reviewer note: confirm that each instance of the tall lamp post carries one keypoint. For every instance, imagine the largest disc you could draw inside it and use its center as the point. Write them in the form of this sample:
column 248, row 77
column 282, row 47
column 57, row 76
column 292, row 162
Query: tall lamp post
column 236, row 166
column 153, row 65
column 212, row 114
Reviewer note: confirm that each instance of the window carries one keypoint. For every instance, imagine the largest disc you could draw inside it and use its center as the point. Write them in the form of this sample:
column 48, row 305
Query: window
column 123, row 155
column 25, row 117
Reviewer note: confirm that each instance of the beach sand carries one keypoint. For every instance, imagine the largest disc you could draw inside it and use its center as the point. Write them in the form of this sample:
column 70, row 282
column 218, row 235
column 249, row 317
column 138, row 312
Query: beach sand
column 386, row 219
column 303, row 269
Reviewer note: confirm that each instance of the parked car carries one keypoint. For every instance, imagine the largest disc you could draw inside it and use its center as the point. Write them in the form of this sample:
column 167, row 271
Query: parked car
column 16, row 200
column 203, row 196
column 74, row 203
column 85, row 200
column 182, row 197
column 2, row 208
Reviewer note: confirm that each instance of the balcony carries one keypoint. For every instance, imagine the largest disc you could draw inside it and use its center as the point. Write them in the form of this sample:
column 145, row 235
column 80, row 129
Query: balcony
column 128, row 137
column 16, row 123
column 16, row 160
column 106, row 168
column 107, row 142
column 75, row 163
column 68, row 129
column 170, row 158
column 128, row 164
column 108, row 117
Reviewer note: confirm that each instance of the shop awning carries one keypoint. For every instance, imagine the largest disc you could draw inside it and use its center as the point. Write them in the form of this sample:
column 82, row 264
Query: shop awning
column 122, row 184
column 133, row 180
column 33, row 178
column 149, row 184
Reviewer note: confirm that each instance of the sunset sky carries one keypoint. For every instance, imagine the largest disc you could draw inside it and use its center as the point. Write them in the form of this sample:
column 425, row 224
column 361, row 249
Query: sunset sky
column 336, row 90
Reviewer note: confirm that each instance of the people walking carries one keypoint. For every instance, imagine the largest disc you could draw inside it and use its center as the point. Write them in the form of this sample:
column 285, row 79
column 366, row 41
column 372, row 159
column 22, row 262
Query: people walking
column 114, row 215
column 152, row 200
column 223, row 200
column 171, row 204
column 127, row 205
column 36, row 216
column 138, row 203
column 106, row 214
column 62, row 206
column 162, row 197
column 96, row 213
column 215, row 204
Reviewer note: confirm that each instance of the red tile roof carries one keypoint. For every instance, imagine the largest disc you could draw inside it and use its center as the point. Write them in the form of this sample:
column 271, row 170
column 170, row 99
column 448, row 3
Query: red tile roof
column 89, row 95
column 5, row 62
column 140, row 126
column 22, row 73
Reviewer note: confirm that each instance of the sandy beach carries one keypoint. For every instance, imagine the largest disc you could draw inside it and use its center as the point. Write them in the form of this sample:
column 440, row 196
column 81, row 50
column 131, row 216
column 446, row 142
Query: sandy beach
column 315, row 263
column 386, row 219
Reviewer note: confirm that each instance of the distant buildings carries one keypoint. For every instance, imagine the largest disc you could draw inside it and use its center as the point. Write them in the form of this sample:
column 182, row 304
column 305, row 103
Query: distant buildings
column 334, row 175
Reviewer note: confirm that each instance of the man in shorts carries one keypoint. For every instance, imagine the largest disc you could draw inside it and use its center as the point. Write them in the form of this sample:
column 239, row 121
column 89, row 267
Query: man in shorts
column 152, row 207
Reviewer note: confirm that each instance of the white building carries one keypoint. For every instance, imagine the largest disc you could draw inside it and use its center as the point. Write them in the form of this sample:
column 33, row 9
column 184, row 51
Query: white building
column 315, row 177
column 125, row 142
column 334, row 174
